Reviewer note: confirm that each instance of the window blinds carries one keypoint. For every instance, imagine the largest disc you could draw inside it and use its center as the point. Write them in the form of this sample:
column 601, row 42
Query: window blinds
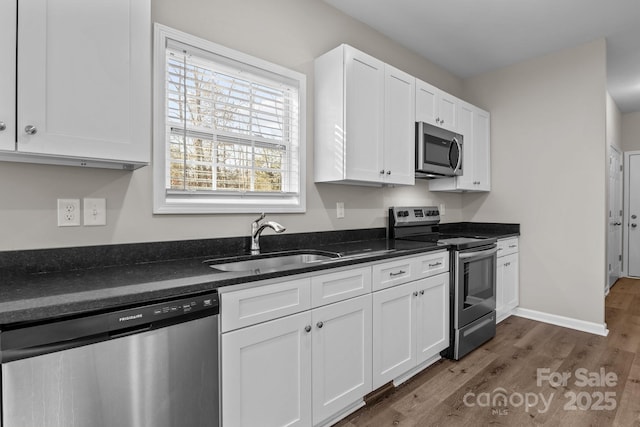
column 231, row 127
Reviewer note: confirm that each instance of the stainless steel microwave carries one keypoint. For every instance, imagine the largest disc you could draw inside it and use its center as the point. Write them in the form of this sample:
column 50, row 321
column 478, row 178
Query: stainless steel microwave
column 438, row 152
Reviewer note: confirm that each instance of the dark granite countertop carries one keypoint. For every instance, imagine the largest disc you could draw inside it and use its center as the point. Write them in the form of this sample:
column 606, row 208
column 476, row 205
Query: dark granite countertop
column 57, row 283
column 28, row 297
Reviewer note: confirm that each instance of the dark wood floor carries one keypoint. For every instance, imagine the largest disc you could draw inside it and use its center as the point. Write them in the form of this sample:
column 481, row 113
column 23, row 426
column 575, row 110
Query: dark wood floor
column 603, row 390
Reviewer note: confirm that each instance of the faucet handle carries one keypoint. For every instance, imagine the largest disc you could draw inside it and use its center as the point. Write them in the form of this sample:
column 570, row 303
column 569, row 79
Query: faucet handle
column 262, row 216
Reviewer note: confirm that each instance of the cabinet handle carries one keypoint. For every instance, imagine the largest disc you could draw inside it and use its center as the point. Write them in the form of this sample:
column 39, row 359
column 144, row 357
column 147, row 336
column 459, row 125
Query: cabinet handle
column 513, row 246
column 415, row 294
column 436, row 264
column 397, row 274
column 307, row 328
column 320, row 324
column 30, row 130
column 507, row 264
column 3, row 126
column 422, row 292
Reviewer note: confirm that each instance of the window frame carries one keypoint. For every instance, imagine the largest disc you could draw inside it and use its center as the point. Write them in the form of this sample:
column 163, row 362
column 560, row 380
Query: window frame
column 166, row 201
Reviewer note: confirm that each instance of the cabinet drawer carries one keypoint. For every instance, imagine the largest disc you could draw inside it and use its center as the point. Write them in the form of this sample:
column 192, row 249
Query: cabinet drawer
column 431, row 264
column 507, row 246
column 393, row 273
column 262, row 303
column 334, row 287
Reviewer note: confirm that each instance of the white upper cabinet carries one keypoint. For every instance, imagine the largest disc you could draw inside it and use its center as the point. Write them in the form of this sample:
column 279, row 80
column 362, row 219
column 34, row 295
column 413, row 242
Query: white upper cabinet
column 436, row 107
column 7, row 75
column 474, row 125
column 399, row 127
column 83, row 83
column 364, row 120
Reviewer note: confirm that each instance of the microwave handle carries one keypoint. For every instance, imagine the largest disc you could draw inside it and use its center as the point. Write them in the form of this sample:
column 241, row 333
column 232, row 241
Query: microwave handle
column 419, row 145
column 455, row 169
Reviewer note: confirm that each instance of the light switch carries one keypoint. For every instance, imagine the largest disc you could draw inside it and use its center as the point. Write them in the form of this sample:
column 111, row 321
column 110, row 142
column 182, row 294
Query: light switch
column 95, row 212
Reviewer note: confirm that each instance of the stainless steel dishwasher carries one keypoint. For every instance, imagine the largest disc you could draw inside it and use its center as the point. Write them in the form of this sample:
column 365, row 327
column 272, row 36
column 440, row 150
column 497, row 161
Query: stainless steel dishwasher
column 148, row 366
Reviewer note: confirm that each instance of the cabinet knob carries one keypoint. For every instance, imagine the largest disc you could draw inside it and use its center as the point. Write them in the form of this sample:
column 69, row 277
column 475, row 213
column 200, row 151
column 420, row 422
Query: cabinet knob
column 422, row 292
column 415, row 294
column 382, row 172
column 388, row 172
column 320, row 324
column 634, row 225
column 30, row 130
column 307, row 328
column 3, row 126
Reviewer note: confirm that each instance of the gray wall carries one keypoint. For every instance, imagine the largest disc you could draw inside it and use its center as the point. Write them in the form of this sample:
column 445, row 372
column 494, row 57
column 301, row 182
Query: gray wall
column 548, row 137
column 287, row 32
column 631, row 131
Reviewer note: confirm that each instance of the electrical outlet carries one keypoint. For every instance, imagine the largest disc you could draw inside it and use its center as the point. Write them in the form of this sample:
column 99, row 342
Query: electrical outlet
column 95, row 212
column 340, row 210
column 68, row 212
column 442, row 210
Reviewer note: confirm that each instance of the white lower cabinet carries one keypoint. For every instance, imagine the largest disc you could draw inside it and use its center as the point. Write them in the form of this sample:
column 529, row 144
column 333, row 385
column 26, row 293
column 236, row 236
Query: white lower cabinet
column 411, row 326
column 341, row 356
column 298, row 370
column 507, row 279
column 266, row 374
column 306, row 351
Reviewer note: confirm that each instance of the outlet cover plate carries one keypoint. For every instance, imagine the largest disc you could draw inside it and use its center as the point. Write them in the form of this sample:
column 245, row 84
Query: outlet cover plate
column 68, row 212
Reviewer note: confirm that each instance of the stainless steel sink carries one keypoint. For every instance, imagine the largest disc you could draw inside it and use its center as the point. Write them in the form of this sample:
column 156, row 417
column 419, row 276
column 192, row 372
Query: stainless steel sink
column 271, row 262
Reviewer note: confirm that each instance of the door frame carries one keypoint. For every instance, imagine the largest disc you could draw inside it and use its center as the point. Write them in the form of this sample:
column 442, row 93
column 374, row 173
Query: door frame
column 625, row 211
column 610, row 197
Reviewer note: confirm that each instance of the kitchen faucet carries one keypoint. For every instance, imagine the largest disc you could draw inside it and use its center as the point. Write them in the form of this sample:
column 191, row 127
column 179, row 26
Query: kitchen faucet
column 257, row 229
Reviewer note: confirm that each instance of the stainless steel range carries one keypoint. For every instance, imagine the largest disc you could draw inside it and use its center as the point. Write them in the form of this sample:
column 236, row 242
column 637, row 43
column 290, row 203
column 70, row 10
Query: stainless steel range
column 473, row 278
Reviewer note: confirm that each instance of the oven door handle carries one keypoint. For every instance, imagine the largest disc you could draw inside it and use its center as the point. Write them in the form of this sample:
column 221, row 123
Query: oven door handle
column 488, row 252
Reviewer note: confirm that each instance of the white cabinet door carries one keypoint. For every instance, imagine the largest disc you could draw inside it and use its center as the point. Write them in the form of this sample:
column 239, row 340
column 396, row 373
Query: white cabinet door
column 432, row 316
column 364, row 116
column 84, row 86
column 482, row 150
column 341, row 356
column 511, row 281
column 399, row 127
column 467, row 180
column 435, row 106
column 7, row 74
column 426, row 103
column 266, row 374
column 447, row 111
column 507, row 286
column 394, row 347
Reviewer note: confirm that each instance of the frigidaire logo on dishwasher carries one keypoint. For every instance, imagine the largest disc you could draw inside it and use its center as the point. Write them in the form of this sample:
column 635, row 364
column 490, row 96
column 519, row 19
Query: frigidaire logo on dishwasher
column 132, row 317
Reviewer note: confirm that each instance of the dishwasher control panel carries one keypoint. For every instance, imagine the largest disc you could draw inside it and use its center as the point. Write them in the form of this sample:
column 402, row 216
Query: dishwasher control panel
column 166, row 311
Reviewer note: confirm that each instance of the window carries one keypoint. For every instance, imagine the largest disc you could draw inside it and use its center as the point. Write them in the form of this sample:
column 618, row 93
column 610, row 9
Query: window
column 229, row 130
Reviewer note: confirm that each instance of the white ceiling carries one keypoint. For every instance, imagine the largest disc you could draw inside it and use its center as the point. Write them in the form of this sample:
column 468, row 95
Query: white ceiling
column 470, row 37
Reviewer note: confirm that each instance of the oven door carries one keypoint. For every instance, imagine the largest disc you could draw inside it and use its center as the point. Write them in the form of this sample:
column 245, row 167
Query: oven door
column 475, row 284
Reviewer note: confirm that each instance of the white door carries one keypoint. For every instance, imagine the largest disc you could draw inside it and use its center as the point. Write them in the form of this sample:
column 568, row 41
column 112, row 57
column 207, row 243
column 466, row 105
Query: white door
column 399, row 129
column 447, row 105
column 7, row 74
column 633, row 216
column 510, row 281
column 432, row 316
column 84, row 82
column 341, row 356
column 266, row 374
column 614, row 232
column 364, row 121
column 394, row 347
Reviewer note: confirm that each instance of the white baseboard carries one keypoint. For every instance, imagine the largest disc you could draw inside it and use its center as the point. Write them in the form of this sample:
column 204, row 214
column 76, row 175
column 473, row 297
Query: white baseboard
column 567, row 322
